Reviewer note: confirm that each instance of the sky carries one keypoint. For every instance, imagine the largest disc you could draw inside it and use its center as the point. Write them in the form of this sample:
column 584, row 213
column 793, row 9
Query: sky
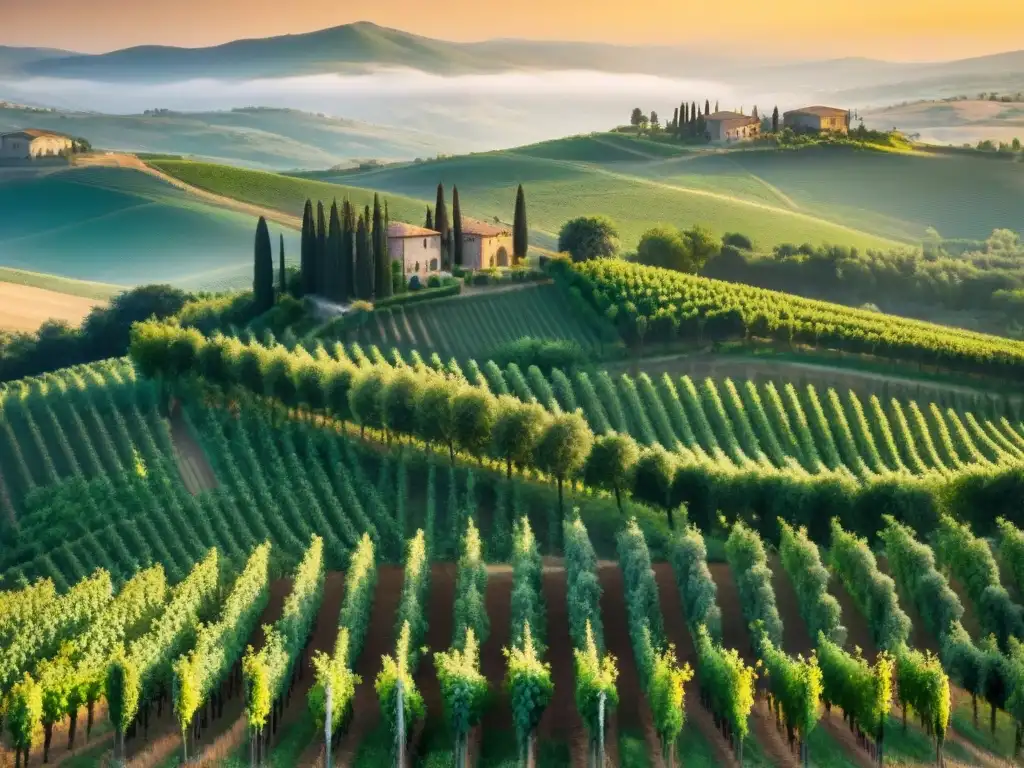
column 908, row 30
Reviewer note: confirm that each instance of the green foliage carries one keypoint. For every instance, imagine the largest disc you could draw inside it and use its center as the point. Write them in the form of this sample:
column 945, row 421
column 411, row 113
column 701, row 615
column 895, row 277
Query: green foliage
column 611, row 463
column 395, row 671
column 681, row 251
column 863, row 691
column 726, row 684
column 24, row 712
column 749, row 563
column 529, row 685
column 463, row 688
column 697, row 587
column 1011, row 550
column 589, row 237
column 517, row 427
column 801, row 560
column 795, row 685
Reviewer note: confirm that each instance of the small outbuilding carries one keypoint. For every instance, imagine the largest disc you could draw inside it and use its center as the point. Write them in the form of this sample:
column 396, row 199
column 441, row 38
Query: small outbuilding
column 485, row 245
column 30, row 143
column 817, row 120
column 731, row 126
column 418, row 249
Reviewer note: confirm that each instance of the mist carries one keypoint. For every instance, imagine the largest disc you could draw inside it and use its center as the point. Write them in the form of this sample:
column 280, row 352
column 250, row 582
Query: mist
column 475, row 111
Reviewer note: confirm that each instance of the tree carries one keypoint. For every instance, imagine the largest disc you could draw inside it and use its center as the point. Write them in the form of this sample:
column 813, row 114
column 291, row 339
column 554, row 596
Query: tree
column 332, row 288
column 655, row 122
column 366, row 397
column 282, row 279
column 456, row 228
column 364, row 264
column 563, row 448
column 441, row 224
column 716, row 106
column 429, row 224
column 435, row 415
column 637, row 117
column 263, row 269
column 401, row 399
column 321, row 250
column 473, row 416
column 307, row 257
column 381, row 259
column 1015, row 144
column 754, row 113
column 346, row 280
column 610, row 464
column 775, row 120
column 589, row 237
column 653, row 476
column 517, row 427
column 520, row 228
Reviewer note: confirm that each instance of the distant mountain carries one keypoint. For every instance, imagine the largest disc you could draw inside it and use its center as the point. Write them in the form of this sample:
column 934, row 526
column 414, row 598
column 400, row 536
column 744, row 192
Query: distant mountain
column 275, row 139
column 15, row 60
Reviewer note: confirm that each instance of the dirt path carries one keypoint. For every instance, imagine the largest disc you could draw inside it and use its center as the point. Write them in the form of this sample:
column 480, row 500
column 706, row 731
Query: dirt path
column 440, row 633
column 380, row 641
column 561, row 720
column 195, row 469
column 858, row 632
column 222, row 736
column 678, row 633
column 630, row 713
column 124, row 160
column 498, row 603
column 736, row 635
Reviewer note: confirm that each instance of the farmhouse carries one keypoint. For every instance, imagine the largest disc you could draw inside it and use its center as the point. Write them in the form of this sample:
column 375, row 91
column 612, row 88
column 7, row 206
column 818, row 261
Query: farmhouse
column 731, row 126
column 23, row 145
column 817, row 119
column 485, row 245
column 418, row 249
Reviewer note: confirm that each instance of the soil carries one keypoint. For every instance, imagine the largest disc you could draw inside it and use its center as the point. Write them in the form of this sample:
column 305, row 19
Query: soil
column 25, row 307
column 195, row 469
column 795, row 637
column 380, row 641
column 440, row 633
column 679, row 634
column 736, row 635
column 498, row 602
column 920, row 637
column 632, row 704
column 858, row 632
column 561, row 720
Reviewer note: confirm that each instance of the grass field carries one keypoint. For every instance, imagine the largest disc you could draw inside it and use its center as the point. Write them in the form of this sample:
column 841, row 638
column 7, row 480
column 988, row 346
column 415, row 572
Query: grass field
column 24, row 307
column 120, row 226
column 57, row 284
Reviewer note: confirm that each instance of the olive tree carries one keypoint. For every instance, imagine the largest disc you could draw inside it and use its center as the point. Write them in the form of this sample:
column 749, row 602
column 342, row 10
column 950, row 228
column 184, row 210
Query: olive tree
column 563, row 448
column 517, row 427
column 610, row 463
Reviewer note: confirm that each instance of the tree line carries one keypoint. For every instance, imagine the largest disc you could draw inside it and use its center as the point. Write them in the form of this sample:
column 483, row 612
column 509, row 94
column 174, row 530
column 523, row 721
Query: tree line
column 689, row 121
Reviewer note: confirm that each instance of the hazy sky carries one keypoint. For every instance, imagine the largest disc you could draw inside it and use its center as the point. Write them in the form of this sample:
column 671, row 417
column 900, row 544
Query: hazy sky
column 904, row 30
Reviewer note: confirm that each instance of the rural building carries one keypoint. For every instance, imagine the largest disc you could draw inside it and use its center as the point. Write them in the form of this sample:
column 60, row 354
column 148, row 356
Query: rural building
column 23, row 145
column 417, row 248
column 485, row 245
column 731, row 126
column 817, row 119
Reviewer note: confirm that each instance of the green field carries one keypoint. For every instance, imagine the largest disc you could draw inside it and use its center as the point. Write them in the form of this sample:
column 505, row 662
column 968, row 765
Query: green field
column 475, row 326
column 829, row 194
column 123, row 227
column 84, row 288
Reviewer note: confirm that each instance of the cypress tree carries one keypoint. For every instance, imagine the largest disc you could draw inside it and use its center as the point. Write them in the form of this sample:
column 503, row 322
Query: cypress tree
column 333, row 287
column 307, row 262
column 430, row 219
column 441, row 223
column 716, row 106
column 707, row 107
column 263, row 269
column 520, row 229
column 675, row 120
column 283, row 275
column 457, row 228
column 364, row 262
column 321, row 249
column 346, row 280
column 775, row 120
column 382, row 264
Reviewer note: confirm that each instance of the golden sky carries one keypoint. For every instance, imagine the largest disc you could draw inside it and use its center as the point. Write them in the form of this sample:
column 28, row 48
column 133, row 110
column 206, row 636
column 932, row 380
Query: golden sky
column 892, row 29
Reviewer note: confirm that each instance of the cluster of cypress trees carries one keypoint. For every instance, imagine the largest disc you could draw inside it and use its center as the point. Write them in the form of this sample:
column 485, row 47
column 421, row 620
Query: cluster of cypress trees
column 689, row 121
column 344, row 253
column 451, row 232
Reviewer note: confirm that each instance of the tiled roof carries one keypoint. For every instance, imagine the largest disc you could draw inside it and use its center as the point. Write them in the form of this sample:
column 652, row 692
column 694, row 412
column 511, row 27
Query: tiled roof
column 36, row 133
column 401, row 229
column 483, row 229
column 819, row 112
column 721, row 116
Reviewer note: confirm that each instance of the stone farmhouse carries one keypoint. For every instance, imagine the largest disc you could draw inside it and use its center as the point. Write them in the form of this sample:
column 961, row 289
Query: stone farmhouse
column 485, row 245
column 732, row 126
column 817, row 119
column 417, row 249
column 31, row 143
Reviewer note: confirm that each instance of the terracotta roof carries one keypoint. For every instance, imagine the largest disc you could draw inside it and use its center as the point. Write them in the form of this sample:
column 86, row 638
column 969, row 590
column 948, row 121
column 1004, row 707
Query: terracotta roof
column 36, row 133
column 819, row 112
column 722, row 116
column 483, row 229
column 401, row 229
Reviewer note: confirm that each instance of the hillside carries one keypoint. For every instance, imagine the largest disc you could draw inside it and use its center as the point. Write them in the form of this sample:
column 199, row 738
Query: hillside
column 837, row 195
column 121, row 226
column 953, row 121
column 257, row 138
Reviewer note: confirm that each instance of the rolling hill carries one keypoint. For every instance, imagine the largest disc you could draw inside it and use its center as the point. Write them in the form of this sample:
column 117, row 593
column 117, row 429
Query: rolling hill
column 121, row 226
column 256, row 137
column 953, row 122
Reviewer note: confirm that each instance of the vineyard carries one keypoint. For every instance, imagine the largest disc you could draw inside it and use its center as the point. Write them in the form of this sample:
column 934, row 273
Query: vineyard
column 472, row 326
column 653, row 304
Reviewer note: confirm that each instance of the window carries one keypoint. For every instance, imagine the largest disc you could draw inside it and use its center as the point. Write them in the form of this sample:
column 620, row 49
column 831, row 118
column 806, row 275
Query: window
column 433, row 265
column 417, row 266
column 424, row 243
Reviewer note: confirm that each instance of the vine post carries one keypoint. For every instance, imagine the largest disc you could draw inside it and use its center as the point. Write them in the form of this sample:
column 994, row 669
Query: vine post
column 327, row 725
column 400, row 727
